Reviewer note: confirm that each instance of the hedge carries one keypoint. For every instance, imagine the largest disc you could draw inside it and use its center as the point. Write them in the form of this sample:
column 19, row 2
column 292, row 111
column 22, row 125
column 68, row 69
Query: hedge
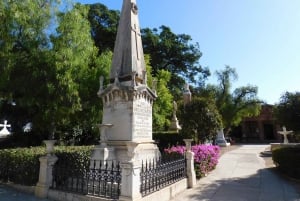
column 168, row 139
column 287, row 160
column 21, row 166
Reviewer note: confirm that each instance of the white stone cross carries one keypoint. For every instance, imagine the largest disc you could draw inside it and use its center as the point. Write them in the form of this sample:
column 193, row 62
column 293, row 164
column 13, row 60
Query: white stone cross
column 4, row 132
column 284, row 132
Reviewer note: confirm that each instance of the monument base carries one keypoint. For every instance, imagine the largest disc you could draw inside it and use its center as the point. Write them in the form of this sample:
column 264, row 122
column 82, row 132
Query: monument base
column 175, row 125
column 101, row 153
column 141, row 151
column 221, row 139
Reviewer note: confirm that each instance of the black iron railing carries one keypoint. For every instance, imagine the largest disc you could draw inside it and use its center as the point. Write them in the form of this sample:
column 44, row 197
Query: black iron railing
column 157, row 174
column 101, row 179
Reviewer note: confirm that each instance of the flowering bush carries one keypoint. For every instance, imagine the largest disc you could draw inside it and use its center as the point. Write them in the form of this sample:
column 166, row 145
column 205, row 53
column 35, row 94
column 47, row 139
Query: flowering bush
column 205, row 158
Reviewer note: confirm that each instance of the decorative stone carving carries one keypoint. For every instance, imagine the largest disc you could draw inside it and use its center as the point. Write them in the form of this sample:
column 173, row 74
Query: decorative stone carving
column 175, row 123
column 134, row 8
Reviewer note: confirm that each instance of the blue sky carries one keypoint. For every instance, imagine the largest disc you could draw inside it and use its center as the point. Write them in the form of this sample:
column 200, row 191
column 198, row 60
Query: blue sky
column 259, row 38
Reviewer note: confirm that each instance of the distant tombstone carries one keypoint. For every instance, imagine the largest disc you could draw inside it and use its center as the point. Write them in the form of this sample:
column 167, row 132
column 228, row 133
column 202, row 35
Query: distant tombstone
column 187, row 95
column 284, row 132
column 221, row 141
column 4, row 132
column 175, row 123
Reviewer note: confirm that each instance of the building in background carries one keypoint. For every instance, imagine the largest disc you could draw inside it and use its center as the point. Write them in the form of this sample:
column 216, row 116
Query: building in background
column 262, row 128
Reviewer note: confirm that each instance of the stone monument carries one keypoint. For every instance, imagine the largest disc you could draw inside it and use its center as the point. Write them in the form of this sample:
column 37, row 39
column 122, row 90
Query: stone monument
column 175, row 123
column 220, row 140
column 285, row 143
column 187, row 95
column 284, row 132
column 127, row 100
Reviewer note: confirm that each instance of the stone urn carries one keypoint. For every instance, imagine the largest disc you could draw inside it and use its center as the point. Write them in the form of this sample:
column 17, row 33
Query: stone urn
column 49, row 146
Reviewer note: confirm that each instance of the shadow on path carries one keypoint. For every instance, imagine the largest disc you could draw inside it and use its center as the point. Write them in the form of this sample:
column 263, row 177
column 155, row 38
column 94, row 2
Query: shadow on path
column 266, row 185
column 8, row 194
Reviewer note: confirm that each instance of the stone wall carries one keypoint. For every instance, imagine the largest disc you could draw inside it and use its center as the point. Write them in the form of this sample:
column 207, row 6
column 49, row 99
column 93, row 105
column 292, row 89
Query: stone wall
column 168, row 192
column 165, row 194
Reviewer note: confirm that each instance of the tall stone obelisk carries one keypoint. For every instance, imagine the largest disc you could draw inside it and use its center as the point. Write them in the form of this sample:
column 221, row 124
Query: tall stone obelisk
column 127, row 100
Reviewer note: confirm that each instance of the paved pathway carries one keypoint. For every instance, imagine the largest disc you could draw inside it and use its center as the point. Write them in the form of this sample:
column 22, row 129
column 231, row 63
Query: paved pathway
column 241, row 175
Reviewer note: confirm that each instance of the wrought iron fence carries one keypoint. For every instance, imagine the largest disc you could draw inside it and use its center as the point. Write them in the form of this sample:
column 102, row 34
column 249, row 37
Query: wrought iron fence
column 157, row 174
column 101, row 179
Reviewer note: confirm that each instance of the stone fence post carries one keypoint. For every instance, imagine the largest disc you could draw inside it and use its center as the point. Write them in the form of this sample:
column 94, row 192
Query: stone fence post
column 131, row 171
column 131, row 182
column 191, row 175
column 45, row 174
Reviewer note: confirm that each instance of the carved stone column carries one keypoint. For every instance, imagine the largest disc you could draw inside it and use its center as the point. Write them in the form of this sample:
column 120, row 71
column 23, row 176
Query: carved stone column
column 45, row 176
column 131, row 170
column 190, row 170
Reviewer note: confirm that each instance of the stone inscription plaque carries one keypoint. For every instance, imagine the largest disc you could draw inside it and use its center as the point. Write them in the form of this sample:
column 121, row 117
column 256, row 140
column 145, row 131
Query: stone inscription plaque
column 142, row 119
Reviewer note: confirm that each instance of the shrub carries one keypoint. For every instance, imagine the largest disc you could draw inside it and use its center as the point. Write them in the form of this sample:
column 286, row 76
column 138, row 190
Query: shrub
column 77, row 157
column 168, row 139
column 287, row 160
column 21, row 166
column 205, row 157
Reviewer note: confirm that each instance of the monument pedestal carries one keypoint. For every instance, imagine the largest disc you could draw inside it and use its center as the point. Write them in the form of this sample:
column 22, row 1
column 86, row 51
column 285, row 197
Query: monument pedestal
column 45, row 175
column 175, row 125
column 130, row 190
column 143, row 150
column 103, row 153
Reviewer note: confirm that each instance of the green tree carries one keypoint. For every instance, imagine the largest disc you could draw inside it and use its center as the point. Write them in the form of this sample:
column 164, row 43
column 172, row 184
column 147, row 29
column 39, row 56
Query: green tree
column 163, row 105
column 233, row 107
column 48, row 78
column 23, row 40
column 75, row 67
column 104, row 25
column 288, row 111
column 200, row 119
column 91, row 113
column 25, row 57
column 176, row 54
